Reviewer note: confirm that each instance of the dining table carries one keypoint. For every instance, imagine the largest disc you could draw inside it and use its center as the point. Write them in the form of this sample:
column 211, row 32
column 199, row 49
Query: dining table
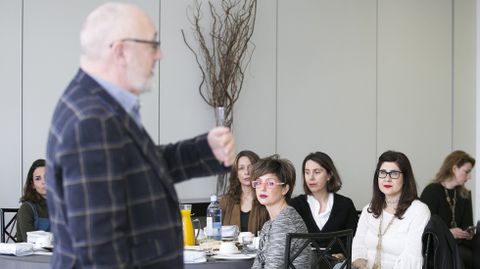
column 43, row 262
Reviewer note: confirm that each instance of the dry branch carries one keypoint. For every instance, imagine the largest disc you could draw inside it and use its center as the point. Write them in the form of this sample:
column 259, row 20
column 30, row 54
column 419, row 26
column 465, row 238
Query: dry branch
column 224, row 52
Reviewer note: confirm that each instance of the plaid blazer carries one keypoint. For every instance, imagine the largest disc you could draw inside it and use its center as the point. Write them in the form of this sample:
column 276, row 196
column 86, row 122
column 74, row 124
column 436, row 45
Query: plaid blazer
column 111, row 199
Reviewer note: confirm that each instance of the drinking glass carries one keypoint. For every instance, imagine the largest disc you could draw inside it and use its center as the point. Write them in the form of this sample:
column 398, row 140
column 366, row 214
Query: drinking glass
column 247, row 240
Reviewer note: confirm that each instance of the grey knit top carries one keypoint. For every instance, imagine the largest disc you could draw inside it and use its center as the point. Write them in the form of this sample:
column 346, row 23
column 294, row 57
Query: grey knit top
column 273, row 235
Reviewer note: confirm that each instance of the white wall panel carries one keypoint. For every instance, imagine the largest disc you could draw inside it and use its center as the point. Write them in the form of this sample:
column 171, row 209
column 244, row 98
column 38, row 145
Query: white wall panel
column 183, row 111
column 464, row 81
column 326, row 88
column 51, row 58
column 351, row 78
column 11, row 102
column 254, row 123
column 415, row 82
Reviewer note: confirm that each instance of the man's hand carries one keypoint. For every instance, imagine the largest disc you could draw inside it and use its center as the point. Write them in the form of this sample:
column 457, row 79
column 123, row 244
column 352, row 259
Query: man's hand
column 222, row 143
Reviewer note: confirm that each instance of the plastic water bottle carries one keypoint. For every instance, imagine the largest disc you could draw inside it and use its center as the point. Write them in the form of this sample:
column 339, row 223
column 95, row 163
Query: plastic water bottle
column 214, row 219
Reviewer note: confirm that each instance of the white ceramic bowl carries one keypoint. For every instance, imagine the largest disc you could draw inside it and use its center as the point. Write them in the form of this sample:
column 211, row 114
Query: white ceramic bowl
column 228, row 248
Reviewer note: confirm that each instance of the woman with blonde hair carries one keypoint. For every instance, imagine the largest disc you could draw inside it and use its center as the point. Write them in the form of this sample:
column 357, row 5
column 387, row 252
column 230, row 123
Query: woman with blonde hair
column 448, row 198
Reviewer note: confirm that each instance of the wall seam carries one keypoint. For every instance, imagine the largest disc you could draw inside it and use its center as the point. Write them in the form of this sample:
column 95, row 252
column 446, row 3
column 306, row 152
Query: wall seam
column 376, row 82
column 452, row 86
column 159, row 73
column 276, row 78
column 476, row 185
column 21, row 95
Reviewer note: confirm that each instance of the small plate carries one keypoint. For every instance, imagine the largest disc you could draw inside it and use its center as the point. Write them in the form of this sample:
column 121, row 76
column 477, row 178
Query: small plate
column 48, row 248
column 197, row 261
column 193, row 248
column 227, row 253
column 234, row 256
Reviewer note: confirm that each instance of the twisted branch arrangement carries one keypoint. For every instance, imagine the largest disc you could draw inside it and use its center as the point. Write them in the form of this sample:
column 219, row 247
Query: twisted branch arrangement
column 223, row 54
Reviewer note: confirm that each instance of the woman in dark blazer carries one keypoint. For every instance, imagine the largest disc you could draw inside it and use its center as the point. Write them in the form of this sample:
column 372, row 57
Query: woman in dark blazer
column 321, row 208
column 448, row 198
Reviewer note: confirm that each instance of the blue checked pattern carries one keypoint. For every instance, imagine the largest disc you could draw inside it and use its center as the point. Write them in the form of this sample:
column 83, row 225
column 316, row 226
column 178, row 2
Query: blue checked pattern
column 110, row 190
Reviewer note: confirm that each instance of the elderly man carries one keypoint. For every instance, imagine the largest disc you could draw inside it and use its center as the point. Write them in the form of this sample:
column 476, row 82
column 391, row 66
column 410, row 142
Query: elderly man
column 110, row 189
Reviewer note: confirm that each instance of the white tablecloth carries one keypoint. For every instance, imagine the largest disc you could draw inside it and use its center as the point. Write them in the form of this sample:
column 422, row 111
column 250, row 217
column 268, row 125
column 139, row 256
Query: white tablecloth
column 43, row 262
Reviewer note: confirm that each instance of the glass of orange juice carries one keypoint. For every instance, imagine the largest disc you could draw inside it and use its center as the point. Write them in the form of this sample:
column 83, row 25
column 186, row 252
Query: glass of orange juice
column 188, row 234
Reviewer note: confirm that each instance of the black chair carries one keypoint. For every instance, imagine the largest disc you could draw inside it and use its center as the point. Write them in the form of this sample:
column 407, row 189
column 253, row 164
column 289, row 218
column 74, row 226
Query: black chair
column 7, row 231
column 323, row 245
column 439, row 248
column 476, row 247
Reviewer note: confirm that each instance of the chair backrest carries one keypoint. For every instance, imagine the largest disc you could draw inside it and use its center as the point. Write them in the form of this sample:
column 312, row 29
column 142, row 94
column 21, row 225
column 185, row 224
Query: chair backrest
column 7, row 228
column 323, row 245
column 439, row 248
column 476, row 247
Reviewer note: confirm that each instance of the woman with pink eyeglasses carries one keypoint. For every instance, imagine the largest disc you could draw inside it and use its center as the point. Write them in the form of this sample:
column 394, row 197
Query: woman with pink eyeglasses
column 274, row 180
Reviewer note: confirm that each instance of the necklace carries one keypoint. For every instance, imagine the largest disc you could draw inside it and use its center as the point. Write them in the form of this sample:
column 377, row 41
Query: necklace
column 391, row 202
column 378, row 256
column 451, row 203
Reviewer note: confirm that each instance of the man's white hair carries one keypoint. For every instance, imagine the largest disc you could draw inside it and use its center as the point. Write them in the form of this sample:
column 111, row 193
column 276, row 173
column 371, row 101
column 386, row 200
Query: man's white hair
column 105, row 25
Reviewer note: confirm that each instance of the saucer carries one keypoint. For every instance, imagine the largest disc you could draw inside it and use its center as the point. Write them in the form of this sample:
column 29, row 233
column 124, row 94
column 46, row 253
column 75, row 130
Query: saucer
column 201, row 260
column 234, row 256
column 227, row 253
column 49, row 248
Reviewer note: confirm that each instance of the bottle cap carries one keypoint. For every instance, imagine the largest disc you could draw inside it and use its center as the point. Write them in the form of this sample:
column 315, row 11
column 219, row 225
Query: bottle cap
column 213, row 198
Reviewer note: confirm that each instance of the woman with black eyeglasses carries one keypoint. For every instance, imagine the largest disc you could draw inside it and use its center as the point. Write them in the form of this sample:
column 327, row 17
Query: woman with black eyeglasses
column 274, row 180
column 389, row 232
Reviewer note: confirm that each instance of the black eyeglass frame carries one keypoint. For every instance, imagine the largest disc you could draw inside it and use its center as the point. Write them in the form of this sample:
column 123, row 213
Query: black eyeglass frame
column 390, row 174
column 155, row 44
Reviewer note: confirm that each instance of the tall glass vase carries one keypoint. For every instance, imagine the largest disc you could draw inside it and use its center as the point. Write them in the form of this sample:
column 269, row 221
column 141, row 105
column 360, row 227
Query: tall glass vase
column 222, row 184
column 219, row 116
column 222, row 179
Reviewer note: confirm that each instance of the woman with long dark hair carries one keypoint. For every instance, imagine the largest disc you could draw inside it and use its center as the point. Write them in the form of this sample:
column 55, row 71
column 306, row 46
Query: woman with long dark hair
column 389, row 232
column 33, row 213
column 239, row 206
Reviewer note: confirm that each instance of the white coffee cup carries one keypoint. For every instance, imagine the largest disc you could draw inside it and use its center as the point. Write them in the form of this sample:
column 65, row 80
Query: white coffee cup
column 256, row 242
column 228, row 247
column 247, row 236
column 43, row 242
